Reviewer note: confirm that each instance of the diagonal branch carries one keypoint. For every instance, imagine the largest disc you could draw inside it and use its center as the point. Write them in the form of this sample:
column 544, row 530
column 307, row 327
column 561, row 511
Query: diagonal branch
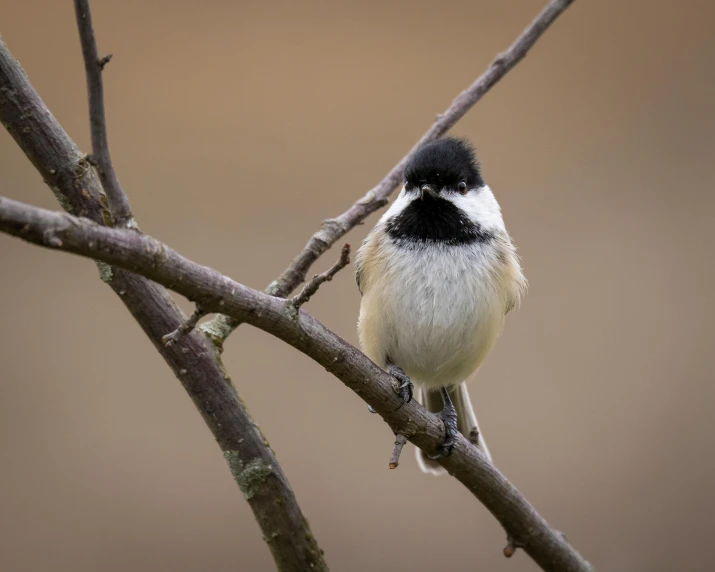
column 334, row 229
column 93, row 65
column 147, row 256
column 77, row 188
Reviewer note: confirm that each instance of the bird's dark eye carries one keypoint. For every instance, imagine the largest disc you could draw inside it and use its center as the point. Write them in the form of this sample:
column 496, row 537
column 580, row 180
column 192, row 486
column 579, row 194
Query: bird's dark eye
column 462, row 187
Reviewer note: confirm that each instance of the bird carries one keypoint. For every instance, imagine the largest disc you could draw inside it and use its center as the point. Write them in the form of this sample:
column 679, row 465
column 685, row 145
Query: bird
column 438, row 273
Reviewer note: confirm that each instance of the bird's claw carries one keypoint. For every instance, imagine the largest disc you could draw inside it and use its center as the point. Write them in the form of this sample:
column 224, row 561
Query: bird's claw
column 445, row 448
column 448, row 415
column 405, row 389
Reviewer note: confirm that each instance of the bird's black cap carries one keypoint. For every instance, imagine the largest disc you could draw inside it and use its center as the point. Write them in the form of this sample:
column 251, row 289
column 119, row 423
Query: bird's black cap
column 444, row 163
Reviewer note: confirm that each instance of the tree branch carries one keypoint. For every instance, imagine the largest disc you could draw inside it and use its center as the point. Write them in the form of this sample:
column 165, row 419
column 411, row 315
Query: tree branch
column 93, row 66
column 147, row 256
column 334, row 229
column 312, row 287
column 200, row 371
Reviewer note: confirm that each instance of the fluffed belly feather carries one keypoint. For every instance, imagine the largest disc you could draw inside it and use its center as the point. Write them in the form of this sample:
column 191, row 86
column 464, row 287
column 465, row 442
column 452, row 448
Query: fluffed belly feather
column 441, row 323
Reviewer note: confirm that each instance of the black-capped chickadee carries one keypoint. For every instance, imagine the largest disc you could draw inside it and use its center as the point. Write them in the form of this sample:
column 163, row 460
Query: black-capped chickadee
column 438, row 274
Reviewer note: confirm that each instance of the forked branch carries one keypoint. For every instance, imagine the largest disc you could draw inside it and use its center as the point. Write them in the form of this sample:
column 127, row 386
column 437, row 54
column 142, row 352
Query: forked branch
column 334, row 229
column 100, row 158
column 186, row 327
column 150, row 258
column 312, row 287
column 78, row 189
column 67, row 172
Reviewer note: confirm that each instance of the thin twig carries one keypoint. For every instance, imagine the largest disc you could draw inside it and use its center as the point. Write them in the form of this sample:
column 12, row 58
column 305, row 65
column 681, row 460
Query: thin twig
column 400, row 441
column 334, row 229
column 312, row 287
column 93, row 66
column 170, row 339
column 148, row 257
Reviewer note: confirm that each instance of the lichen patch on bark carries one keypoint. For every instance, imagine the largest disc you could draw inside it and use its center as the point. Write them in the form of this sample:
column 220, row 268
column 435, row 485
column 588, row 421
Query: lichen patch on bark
column 249, row 476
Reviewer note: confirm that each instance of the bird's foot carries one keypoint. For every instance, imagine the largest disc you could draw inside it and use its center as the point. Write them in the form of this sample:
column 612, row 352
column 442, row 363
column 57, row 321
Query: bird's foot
column 404, row 388
column 448, row 415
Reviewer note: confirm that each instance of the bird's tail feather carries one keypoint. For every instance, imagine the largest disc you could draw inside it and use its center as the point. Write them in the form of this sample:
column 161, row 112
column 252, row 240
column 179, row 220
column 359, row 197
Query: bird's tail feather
column 466, row 423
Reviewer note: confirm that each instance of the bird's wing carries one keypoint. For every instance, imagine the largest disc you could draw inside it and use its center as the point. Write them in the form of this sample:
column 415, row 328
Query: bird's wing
column 512, row 277
column 368, row 261
column 360, row 264
column 510, row 303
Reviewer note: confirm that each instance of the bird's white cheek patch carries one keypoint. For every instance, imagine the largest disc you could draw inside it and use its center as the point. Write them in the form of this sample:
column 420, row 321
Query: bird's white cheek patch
column 481, row 207
column 400, row 204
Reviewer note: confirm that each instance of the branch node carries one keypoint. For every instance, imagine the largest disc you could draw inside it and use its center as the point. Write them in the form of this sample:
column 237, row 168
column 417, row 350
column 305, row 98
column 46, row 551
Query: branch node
column 400, row 441
column 511, row 545
column 103, row 61
column 312, row 287
column 500, row 59
column 171, row 338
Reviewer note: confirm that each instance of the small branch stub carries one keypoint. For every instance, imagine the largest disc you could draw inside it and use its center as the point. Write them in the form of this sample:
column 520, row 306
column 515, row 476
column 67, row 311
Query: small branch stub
column 170, row 339
column 511, row 545
column 312, row 287
column 400, row 441
column 103, row 61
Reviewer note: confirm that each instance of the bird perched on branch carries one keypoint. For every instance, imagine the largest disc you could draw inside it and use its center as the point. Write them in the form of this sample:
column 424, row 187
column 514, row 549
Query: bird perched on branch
column 438, row 274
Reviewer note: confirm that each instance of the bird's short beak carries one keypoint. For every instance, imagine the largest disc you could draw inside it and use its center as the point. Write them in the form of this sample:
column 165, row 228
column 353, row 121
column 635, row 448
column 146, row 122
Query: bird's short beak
column 429, row 190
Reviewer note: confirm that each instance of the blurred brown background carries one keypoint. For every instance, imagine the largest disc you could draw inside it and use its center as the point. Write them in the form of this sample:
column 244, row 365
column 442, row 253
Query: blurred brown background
column 236, row 127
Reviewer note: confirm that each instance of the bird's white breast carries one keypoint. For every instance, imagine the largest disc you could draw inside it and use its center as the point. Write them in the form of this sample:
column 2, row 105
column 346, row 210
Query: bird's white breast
column 435, row 312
